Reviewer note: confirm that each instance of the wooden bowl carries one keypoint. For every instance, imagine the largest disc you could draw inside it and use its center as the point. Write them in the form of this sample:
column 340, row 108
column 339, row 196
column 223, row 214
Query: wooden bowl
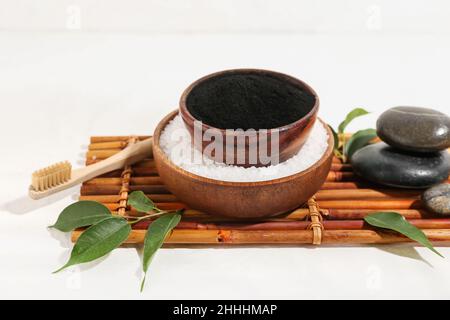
column 240, row 199
column 291, row 136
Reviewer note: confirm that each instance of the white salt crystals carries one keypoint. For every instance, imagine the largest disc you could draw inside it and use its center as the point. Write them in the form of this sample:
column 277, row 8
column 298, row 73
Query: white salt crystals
column 175, row 141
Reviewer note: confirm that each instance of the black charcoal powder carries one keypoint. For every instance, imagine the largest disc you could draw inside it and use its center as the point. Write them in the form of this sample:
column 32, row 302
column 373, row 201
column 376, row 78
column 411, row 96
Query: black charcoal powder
column 249, row 101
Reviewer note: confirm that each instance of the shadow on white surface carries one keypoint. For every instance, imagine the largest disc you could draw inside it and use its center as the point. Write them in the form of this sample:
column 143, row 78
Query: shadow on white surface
column 140, row 253
column 404, row 251
column 24, row 204
column 64, row 238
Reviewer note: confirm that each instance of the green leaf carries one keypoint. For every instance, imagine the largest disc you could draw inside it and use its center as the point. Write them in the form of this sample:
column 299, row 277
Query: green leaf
column 396, row 222
column 349, row 118
column 156, row 234
column 81, row 214
column 335, row 137
column 358, row 140
column 99, row 240
column 140, row 202
column 337, row 152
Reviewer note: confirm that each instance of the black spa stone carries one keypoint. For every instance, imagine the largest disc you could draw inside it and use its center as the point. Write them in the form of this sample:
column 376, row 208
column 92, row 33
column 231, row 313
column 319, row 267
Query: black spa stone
column 437, row 199
column 383, row 164
column 415, row 129
column 248, row 101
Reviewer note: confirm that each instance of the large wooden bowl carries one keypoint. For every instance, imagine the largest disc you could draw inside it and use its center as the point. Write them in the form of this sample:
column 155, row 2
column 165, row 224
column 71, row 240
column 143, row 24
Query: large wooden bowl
column 240, row 199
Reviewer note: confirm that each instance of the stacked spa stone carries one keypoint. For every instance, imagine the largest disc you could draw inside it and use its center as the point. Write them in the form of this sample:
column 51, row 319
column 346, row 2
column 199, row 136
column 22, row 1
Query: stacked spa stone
column 413, row 152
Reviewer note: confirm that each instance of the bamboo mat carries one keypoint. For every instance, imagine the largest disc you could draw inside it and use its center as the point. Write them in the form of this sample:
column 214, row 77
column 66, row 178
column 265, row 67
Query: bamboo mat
column 334, row 216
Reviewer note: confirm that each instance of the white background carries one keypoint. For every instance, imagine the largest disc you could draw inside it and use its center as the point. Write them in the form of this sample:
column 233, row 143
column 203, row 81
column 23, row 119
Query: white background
column 72, row 69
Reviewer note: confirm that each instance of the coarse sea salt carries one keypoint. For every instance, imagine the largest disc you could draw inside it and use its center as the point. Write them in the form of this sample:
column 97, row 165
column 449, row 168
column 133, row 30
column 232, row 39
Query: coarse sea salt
column 176, row 143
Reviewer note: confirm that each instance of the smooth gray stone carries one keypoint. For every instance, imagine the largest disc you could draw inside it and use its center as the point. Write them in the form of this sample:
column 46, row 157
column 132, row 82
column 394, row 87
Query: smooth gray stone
column 415, row 129
column 383, row 164
column 437, row 199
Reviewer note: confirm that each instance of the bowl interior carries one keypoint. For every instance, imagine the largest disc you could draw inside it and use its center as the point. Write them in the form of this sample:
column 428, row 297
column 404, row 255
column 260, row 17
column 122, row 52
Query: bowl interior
column 157, row 149
column 249, row 99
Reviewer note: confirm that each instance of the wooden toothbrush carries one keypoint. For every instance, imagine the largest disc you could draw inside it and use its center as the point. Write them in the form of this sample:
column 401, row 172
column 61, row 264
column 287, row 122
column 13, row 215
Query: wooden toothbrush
column 60, row 176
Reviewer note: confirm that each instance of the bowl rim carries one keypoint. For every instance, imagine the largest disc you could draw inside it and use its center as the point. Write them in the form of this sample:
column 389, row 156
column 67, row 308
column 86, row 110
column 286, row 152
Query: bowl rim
column 157, row 149
column 185, row 113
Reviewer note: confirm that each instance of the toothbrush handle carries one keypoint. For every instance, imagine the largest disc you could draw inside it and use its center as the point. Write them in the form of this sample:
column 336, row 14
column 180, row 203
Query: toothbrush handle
column 131, row 154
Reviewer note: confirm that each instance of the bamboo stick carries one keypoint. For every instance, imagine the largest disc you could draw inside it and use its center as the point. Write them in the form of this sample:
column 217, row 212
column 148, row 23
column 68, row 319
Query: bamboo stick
column 111, row 206
column 296, row 225
column 267, row 237
column 101, row 154
column 335, row 207
column 356, row 184
column 115, row 198
column 329, row 237
column 376, row 237
column 145, row 171
column 108, row 145
column 103, row 198
column 338, row 176
column 366, row 194
column 95, row 155
column 360, row 224
column 198, row 216
column 113, row 181
column 111, row 174
column 137, row 172
column 166, row 206
column 176, row 237
column 354, row 214
column 345, row 185
column 372, row 204
column 98, row 139
column 115, row 189
column 151, row 181
column 326, row 198
column 329, row 200
column 296, row 215
column 147, row 163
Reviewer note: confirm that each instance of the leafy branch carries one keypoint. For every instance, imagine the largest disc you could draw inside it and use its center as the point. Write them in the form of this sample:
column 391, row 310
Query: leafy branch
column 344, row 149
column 106, row 232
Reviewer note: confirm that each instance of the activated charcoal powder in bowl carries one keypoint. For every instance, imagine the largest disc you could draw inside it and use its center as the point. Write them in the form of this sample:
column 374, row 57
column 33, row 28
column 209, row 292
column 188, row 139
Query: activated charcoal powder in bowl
column 281, row 109
column 250, row 99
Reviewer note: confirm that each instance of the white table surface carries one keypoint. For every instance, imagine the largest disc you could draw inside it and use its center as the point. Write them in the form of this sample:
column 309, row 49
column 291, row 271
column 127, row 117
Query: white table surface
column 56, row 90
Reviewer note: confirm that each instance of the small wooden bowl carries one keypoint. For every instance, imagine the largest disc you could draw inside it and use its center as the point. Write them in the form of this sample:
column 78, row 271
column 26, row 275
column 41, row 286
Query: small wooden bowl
column 291, row 137
column 240, row 199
